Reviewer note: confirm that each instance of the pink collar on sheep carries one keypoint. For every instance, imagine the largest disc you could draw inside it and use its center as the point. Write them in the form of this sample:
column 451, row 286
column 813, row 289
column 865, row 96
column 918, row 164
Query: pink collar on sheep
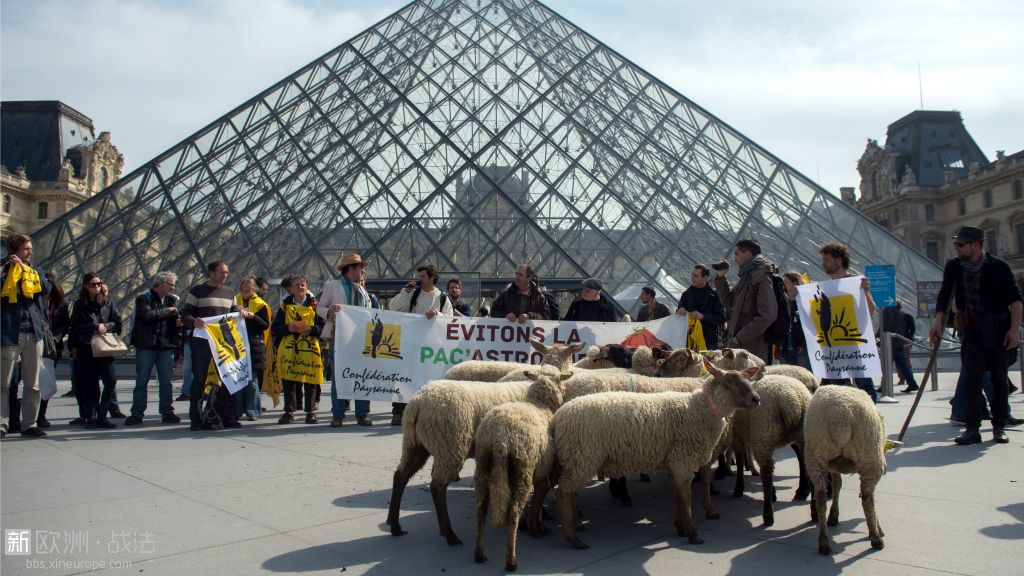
column 711, row 405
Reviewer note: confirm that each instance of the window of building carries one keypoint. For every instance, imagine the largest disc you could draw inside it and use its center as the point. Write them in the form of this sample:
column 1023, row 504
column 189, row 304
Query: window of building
column 896, row 216
column 961, row 205
column 992, row 242
column 43, row 210
column 103, row 178
column 929, row 212
column 950, row 158
column 1018, row 190
column 875, row 184
column 7, row 203
column 988, row 198
column 932, row 251
column 1020, row 239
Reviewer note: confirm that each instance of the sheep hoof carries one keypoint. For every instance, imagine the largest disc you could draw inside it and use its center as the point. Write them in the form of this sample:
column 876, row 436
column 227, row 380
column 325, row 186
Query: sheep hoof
column 627, row 501
column 480, row 558
column 510, row 567
column 737, row 493
column 580, row 545
column 580, row 527
column 713, row 516
column 769, row 521
column 396, row 530
column 696, row 540
column 801, row 494
column 877, row 544
column 453, row 540
column 824, row 550
column 832, row 523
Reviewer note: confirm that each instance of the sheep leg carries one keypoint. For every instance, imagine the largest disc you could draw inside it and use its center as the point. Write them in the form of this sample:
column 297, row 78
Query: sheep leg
column 534, row 519
column 705, row 479
column 750, row 463
column 737, row 491
column 833, row 513
column 803, row 489
column 867, row 500
column 411, row 463
column 483, row 497
column 768, row 482
column 723, row 469
column 624, row 496
column 818, row 514
column 683, row 483
column 566, row 500
column 439, row 492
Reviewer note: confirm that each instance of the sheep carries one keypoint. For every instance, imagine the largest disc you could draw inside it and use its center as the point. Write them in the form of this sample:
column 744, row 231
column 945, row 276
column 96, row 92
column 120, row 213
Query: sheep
column 559, row 355
column 777, row 422
column 513, row 451
column 619, row 433
column 793, row 371
column 642, row 360
column 736, row 359
column 606, row 356
column 844, row 434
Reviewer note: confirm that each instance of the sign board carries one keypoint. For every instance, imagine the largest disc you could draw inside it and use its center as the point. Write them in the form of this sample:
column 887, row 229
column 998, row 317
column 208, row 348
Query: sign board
column 927, row 296
column 838, row 330
column 883, row 283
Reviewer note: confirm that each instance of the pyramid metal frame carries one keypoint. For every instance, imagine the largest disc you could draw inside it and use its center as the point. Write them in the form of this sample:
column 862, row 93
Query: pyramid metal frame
column 474, row 135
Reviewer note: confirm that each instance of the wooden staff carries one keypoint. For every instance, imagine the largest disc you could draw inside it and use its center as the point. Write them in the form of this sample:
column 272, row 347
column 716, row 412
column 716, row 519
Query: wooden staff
column 928, row 372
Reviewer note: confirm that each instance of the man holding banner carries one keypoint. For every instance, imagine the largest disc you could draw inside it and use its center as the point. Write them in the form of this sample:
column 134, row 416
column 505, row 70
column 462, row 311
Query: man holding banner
column 347, row 290
column 212, row 298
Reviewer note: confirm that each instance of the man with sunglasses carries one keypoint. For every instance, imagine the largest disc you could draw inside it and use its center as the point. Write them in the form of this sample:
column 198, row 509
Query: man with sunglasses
column 984, row 290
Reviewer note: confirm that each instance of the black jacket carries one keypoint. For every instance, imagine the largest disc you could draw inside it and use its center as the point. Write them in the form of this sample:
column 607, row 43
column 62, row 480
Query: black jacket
column 590, row 311
column 279, row 327
column 706, row 301
column 86, row 319
column 156, row 325
column 255, row 327
column 998, row 288
column 534, row 304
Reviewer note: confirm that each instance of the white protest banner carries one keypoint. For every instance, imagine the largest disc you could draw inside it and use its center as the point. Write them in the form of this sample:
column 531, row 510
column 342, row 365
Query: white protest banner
column 838, row 328
column 229, row 344
column 388, row 356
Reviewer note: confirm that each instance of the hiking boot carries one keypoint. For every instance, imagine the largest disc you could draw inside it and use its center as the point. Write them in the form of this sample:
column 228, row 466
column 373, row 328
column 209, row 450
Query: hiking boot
column 77, row 422
column 35, row 432
column 170, row 418
column 286, row 418
column 311, row 418
column 969, row 437
column 117, row 414
column 336, row 421
column 364, row 420
column 90, row 423
column 132, row 420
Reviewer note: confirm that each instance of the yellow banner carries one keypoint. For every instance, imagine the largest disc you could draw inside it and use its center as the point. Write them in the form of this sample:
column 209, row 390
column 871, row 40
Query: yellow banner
column 695, row 335
column 298, row 356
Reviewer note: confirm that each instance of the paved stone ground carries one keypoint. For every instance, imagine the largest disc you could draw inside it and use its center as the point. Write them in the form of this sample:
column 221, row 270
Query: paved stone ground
column 158, row 499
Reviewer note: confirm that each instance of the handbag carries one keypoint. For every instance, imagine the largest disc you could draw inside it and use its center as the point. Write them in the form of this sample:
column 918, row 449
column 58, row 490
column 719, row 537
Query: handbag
column 49, row 343
column 108, row 346
column 47, row 379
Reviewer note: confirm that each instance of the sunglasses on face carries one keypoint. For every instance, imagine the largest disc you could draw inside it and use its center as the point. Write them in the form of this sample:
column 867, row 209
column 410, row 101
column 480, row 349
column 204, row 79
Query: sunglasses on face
column 960, row 244
column 95, row 284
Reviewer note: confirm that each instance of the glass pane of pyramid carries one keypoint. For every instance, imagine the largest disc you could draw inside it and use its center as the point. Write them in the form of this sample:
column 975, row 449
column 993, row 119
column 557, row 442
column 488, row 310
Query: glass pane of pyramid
column 474, row 135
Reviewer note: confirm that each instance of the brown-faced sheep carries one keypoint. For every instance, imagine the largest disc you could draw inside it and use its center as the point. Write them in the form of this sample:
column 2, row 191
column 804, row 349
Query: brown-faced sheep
column 558, row 355
column 845, row 434
column 620, row 433
column 513, row 451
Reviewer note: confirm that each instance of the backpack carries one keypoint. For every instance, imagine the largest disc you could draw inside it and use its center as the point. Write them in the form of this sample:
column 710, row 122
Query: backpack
column 778, row 330
column 416, row 296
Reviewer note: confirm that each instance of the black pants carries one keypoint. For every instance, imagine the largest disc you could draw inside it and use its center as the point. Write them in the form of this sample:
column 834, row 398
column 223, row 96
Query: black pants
column 398, row 409
column 223, row 403
column 975, row 360
column 291, row 395
column 89, row 370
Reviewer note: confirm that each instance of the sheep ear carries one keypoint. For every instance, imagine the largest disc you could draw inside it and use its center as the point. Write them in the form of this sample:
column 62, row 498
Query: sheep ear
column 728, row 352
column 530, row 374
column 574, row 348
column 711, row 368
column 538, row 345
column 752, row 371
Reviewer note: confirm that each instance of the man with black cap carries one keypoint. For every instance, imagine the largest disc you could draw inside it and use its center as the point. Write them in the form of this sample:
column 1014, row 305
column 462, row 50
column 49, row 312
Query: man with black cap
column 985, row 293
column 590, row 307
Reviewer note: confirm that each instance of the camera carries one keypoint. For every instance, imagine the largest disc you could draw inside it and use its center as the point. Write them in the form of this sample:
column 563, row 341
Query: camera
column 721, row 265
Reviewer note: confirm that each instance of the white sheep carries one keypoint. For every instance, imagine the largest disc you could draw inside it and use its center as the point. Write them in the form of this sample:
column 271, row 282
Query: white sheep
column 513, row 451
column 777, row 422
column 793, row 371
column 558, row 355
column 618, row 433
column 845, row 434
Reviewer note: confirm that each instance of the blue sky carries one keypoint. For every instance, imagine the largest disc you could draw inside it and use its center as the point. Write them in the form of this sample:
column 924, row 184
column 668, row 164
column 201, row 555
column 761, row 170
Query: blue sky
column 808, row 80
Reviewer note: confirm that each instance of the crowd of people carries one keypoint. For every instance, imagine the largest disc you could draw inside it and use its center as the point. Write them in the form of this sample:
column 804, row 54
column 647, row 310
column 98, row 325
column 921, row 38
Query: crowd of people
column 39, row 324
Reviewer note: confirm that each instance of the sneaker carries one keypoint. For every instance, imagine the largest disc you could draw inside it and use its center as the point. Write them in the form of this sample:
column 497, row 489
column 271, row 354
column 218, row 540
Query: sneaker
column 251, row 418
column 969, row 437
column 117, row 414
column 105, row 424
column 132, row 420
column 233, row 424
column 183, row 398
column 68, row 394
column 216, row 425
column 957, row 422
column 33, row 432
column 364, row 420
column 286, row 418
column 999, row 437
column 311, row 418
column 77, row 422
column 90, row 423
column 1013, row 422
column 336, row 421
column 43, row 423
column 170, row 418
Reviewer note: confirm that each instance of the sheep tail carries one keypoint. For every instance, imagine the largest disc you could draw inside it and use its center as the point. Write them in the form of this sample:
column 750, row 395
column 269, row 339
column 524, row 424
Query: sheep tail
column 410, row 441
column 501, row 489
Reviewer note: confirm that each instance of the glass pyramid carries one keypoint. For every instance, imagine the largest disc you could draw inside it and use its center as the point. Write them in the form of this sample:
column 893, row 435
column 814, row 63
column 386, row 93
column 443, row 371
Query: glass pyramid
column 475, row 136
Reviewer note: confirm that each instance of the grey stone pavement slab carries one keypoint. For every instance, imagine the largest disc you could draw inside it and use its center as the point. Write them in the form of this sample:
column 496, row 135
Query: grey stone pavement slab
column 159, row 499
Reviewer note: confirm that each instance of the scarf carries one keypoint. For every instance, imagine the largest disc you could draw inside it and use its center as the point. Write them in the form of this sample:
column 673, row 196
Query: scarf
column 968, row 266
column 746, row 269
column 27, row 276
column 355, row 295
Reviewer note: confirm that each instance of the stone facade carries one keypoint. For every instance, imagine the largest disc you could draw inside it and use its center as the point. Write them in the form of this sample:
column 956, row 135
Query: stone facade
column 989, row 196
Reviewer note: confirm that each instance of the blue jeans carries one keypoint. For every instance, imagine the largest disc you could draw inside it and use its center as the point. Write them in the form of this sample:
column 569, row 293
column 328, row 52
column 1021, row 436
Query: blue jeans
column 959, row 401
column 145, row 360
column 247, row 400
column 340, row 406
column 186, row 367
column 902, row 366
